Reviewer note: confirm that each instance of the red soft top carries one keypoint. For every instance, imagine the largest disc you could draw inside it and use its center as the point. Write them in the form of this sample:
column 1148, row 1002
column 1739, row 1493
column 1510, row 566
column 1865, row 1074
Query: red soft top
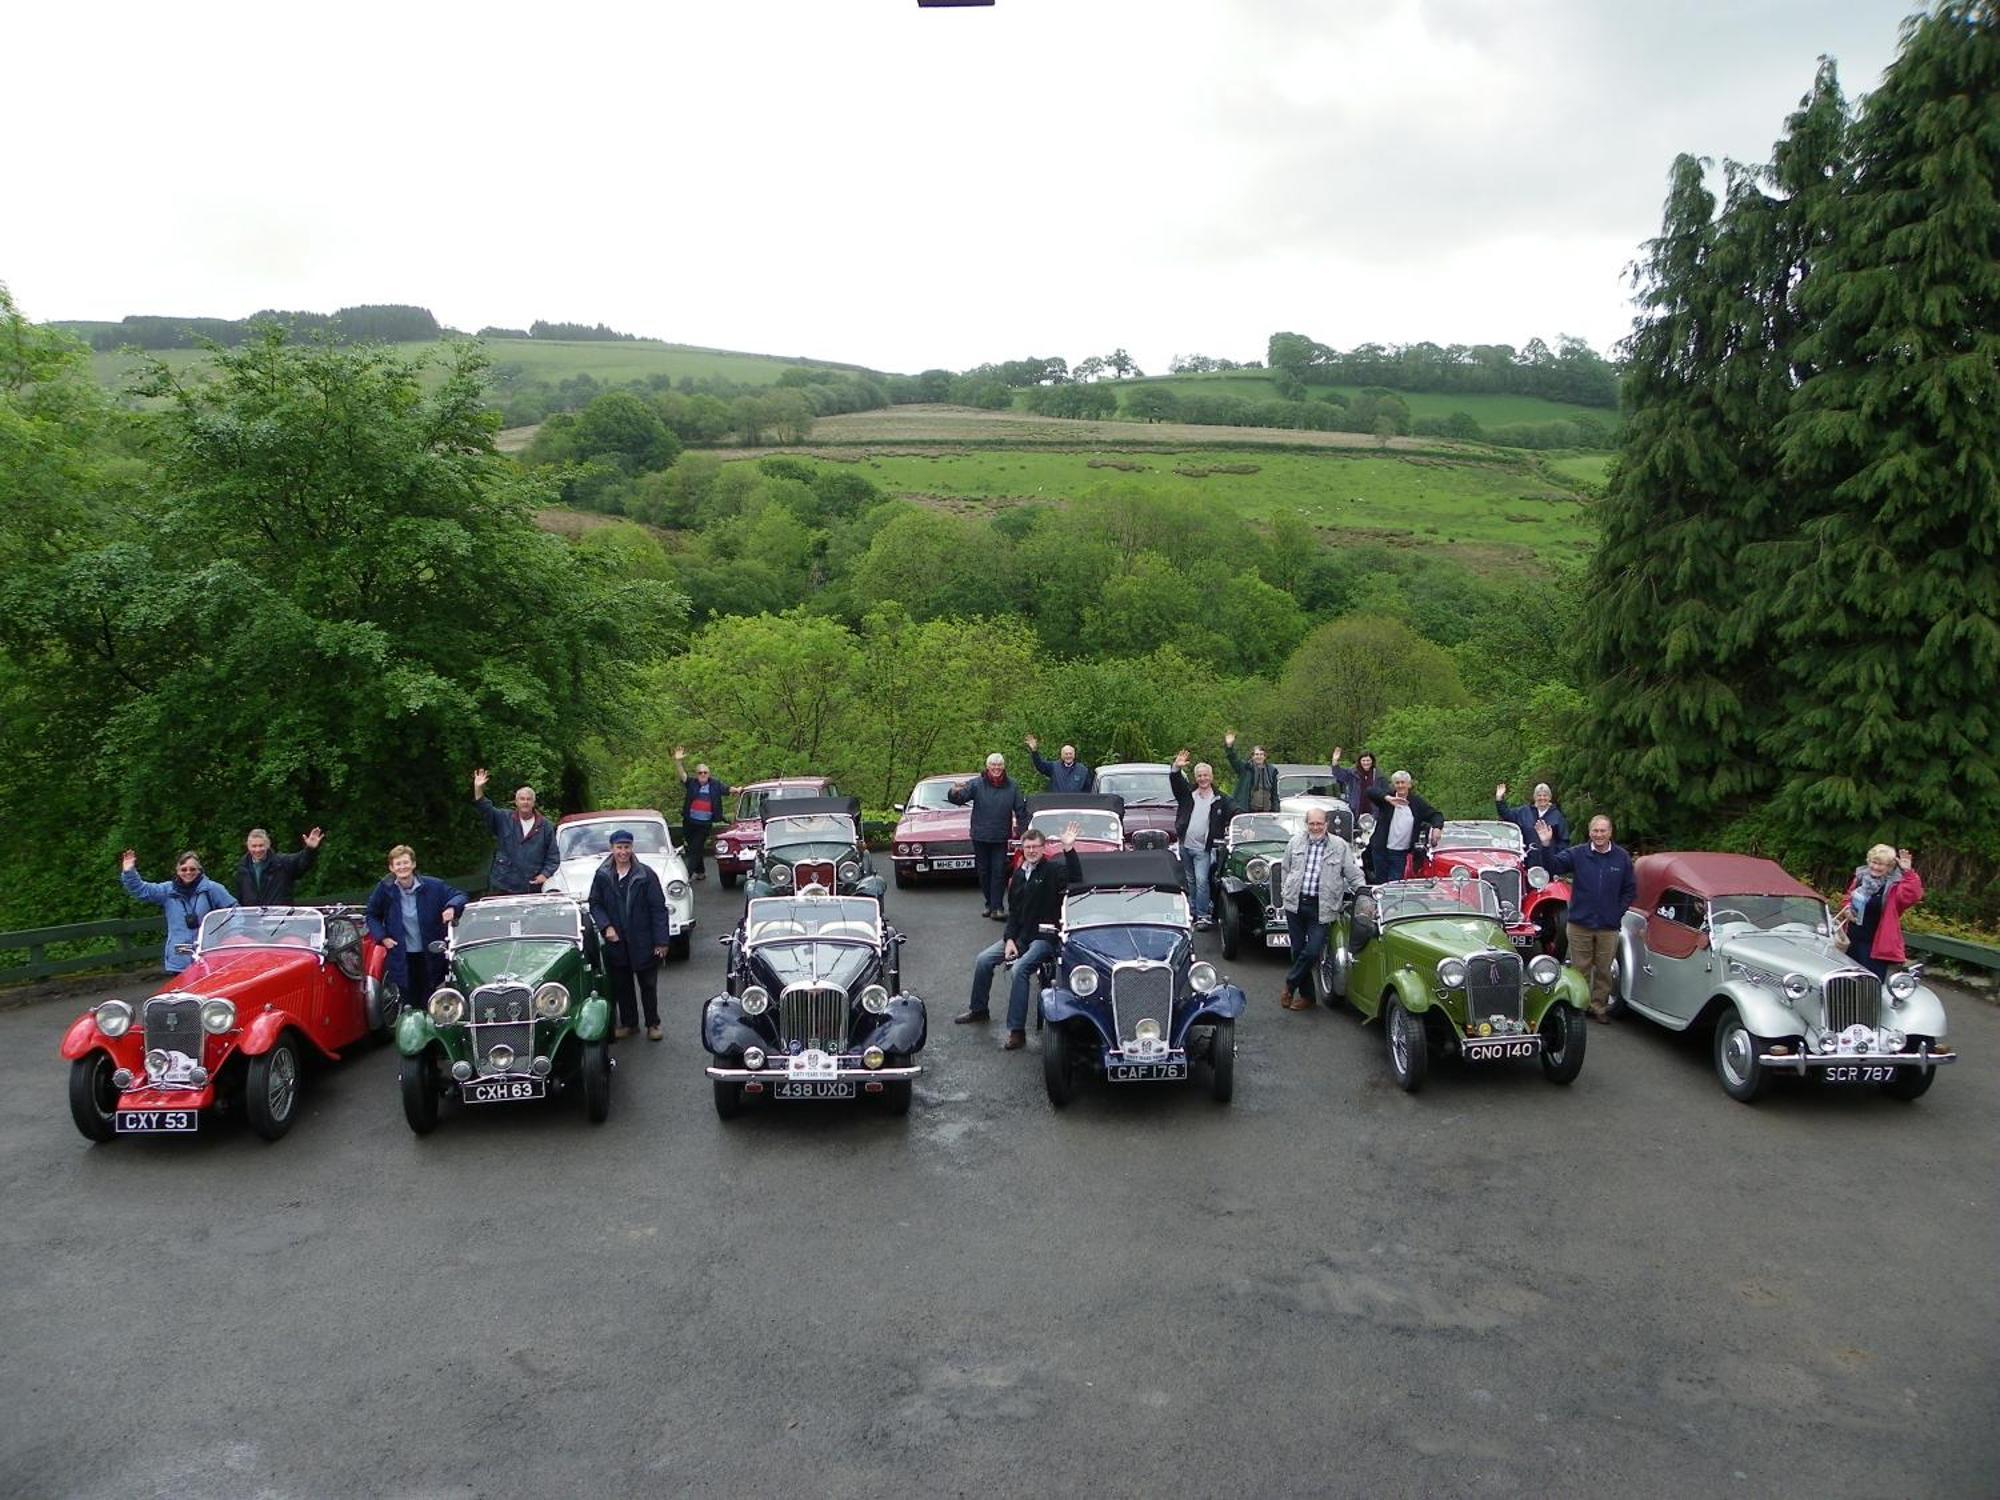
column 1704, row 874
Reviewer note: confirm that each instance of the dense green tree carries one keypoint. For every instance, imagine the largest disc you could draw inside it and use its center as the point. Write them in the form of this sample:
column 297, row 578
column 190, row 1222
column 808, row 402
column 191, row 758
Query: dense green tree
column 1346, row 676
column 1152, row 403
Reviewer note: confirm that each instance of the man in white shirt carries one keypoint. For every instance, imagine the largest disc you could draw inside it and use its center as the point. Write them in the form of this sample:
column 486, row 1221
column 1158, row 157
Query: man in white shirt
column 1202, row 815
column 1403, row 823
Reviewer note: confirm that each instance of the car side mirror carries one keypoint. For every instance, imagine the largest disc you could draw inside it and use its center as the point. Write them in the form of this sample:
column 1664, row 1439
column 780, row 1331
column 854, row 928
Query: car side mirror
column 899, row 806
column 183, row 947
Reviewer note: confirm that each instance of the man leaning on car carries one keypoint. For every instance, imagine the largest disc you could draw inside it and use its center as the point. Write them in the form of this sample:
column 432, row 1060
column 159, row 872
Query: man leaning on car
column 1320, row 873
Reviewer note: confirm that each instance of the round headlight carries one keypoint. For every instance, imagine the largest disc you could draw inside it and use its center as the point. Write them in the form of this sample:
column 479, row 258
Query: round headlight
column 1258, row 869
column 850, row 871
column 541, row 1067
column 753, row 1058
column 1544, row 970
column 551, row 1001
column 1202, row 977
column 1365, row 825
column 874, row 1057
column 217, row 1016
column 677, row 890
column 1083, row 980
column 722, row 849
column 1451, row 973
column 501, row 1057
column 1537, row 877
column 462, row 1070
column 156, row 1063
column 114, row 1018
column 1828, row 1042
column 1902, row 985
column 1147, row 1030
column 1796, row 986
column 875, row 1000
column 756, row 1000
column 124, row 1078
column 447, row 1007
column 781, row 875
column 197, row 1076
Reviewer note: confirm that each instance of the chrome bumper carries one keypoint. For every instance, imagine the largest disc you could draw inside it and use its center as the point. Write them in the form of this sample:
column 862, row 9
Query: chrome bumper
column 781, row 1075
column 1802, row 1062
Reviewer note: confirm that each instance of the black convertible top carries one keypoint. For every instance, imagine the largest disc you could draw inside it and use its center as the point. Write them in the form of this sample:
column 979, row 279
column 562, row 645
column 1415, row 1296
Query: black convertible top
column 801, row 807
column 1109, row 802
column 1158, row 868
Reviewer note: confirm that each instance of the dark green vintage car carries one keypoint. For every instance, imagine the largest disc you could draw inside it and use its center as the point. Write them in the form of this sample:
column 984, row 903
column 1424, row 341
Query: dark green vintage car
column 1249, row 899
column 1432, row 959
column 523, row 1010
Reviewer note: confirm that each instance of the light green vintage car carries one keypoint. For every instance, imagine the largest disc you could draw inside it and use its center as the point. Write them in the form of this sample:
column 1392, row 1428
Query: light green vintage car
column 1433, row 961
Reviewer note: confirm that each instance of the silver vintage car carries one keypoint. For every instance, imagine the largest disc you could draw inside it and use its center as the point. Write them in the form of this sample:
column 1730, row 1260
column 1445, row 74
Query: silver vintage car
column 1733, row 942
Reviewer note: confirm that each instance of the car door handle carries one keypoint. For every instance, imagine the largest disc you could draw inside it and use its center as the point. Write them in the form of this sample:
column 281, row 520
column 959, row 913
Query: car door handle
column 1645, row 968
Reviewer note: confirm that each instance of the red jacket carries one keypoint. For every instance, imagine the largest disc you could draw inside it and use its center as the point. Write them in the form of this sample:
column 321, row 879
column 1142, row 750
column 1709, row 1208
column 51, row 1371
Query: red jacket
column 1898, row 896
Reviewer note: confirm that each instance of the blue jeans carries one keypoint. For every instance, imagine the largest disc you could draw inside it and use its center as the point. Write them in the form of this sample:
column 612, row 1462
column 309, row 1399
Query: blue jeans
column 1194, row 872
column 1308, row 940
column 990, row 959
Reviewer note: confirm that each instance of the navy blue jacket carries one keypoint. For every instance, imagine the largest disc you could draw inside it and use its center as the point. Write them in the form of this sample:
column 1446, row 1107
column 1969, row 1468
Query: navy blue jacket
column 717, row 795
column 1525, row 817
column 516, row 860
column 998, row 812
column 640, row 931
column 385, row 917
column 1349, row 781
column 1601, row 886
column 1062, row 778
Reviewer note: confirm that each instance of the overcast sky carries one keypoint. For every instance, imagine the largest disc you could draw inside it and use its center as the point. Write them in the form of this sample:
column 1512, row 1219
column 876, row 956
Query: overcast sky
column 867, row 181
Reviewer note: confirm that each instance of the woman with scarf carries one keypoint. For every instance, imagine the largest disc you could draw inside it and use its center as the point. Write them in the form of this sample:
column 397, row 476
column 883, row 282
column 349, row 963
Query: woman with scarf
column 1881, row 891
column 187, row 898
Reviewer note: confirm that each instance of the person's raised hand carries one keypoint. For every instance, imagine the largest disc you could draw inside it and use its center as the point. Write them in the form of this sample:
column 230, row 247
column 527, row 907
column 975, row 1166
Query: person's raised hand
column 1229, row 740
column 1543, row 832
column 1070, row 834
column 1334, row 759
column 680, row 752
column 129, row 860
column 1180, row 760
column 1500, row 792
column 1903, row 859
column 479, row 782
column 311, row 840
column 1033, row 743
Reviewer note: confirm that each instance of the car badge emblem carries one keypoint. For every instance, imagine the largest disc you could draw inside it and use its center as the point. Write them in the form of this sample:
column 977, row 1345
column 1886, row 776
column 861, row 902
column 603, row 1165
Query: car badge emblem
column 514, row 1011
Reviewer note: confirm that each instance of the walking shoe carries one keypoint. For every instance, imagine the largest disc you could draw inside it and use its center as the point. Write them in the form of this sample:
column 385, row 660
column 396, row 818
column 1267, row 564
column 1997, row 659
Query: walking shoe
column 971, row 1017
column 1600, row 1013
column 652, row 1033
column 1204, row 923
column 1016, row 1040
column 1285, row 998
column 619, row 1033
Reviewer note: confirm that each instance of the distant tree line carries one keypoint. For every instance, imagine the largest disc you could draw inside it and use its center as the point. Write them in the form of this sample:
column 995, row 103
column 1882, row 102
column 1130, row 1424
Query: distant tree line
column 700, row 411
column 1572, row 372
column 388, row 323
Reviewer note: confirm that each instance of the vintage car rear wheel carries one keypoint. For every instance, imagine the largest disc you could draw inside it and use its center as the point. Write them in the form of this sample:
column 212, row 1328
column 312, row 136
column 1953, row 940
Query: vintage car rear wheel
column 677, row 947
column 1911, row 1083
column 903, row 880
column 1229, row 923
column 1743, row 1077
column 93, row 1097
column 271, row 1083
column 1409, row 1052
column 1553, row 920
column 419, row 1079
column 896, row 1095
column 1563, row 1038
column 596, row 1082
column 1222, row 1063
column 1058, row 1067
column 728, row 1098
column 727, row 877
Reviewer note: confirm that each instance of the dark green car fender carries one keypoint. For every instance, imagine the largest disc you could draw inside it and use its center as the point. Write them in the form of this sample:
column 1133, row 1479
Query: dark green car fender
column 593, row 1019
column 414, row 1032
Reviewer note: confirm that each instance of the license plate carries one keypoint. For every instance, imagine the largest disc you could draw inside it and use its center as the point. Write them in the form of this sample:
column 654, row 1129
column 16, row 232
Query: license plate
column 1145, row 1072
column 1860, row 1073
column 1527, row 941
column 1277, row 940
column 157, row 1121
column 1487, row 1048
column 504, row 1090
column 805, row 1088
column 951, row 864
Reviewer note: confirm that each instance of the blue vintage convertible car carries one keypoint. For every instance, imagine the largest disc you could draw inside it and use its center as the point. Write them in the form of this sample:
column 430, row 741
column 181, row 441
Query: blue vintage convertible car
column 1128, row 999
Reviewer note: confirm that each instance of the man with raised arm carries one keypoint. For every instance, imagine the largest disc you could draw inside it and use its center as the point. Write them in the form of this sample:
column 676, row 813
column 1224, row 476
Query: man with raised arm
column 524, row 842
column 1256, row 778
column 1065, row 774
column 706, row 797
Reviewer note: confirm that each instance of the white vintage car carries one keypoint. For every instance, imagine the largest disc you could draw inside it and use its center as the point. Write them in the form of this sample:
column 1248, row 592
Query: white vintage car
column 1733, row 942
column 584, row 839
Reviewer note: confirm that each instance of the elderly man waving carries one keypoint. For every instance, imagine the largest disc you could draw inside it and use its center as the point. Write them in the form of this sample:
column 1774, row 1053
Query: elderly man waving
column 1320, row 873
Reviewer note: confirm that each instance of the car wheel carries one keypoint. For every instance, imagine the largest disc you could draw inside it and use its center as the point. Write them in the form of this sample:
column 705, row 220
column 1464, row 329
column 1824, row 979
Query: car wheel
column 1228, row 924
column 1617, row 1000
column 1409, row 1052
column 271, row 1088
column 727, row 877
column 1058, row 1067
column 419, row 1078
column 385, row 1005
column 1563, row 1037
column 896, row 1095
column 596, row 1082
column 728, row 1098
column 677, row 947
column 93, row 1097
column 1911, row 1083
column 1553, row 939
column 903, row 880
column 1743, row 1077
column 1222, row 1063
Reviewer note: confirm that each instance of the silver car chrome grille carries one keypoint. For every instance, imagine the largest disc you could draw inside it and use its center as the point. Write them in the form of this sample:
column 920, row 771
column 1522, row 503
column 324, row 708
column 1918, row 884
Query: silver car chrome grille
column 502, row 1016
column 1142, row 992
column 1853, row 1000
column 1274, row 898
column 813, row 872
column 814, row 1016
column 173, row 1025
column 1493, row 986
column 1507, row 890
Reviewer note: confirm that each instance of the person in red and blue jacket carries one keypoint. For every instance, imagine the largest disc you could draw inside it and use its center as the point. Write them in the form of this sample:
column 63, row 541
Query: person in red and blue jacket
column 705, row 799
column 1878, row 895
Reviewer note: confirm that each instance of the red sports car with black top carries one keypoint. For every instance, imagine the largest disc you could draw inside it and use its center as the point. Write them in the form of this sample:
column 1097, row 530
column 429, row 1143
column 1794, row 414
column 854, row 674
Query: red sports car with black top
column 735, row 847
column 1534, row 905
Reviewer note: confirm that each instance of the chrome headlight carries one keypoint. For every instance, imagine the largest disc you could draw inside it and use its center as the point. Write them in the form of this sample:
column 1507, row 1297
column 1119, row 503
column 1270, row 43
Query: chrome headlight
column 875, row 1000
column 1147, row 1030
column 157, row 1063
column 1901, row 986
column 753, row 1058
column 1365, row 826
column 722, row 847
column 1796, row 986
column 1451, row 973
column 1537, row 877
column 501, row 1057
column 1258, row 869
column 1544, row 970
column 756, row 1000
column 1509, row 912
column 1083, row 980
column 677, row 890
column 874, row 1057
column 551, row 1001
column 850, row 871
column 1202, row 977
column 447, row 1007
column 114, row 1018
column 217, row 1016
column 781, row 875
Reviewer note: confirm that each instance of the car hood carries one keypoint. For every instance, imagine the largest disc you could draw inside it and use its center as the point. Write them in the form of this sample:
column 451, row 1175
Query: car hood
column 573, row 876
column 1477, row 859
column 810, row 961
column 938, row 823
column 528, row 960
column 1258, row 849
column 1451, row 936
column 247, row 973
column 1110, row 945
column 810, row 854
column 1778, row 954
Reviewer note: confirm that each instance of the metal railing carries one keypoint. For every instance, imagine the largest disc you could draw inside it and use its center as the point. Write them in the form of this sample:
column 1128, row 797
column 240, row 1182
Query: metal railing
column 1954, row 950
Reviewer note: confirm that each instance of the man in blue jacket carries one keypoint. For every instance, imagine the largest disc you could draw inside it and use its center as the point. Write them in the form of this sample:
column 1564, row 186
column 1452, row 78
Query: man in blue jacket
column 524, row 842
column 1602, row 884
column 999, row 812
column 1067, row 774
column 630, row 911
column 408, row 912
column 1542, row 809
column 187, row 898
column 706, row 796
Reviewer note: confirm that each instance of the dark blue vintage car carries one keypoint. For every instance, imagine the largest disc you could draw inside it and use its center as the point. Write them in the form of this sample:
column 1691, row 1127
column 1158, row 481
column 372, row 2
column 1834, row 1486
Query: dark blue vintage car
column 814, row 1007
column 1128, row 999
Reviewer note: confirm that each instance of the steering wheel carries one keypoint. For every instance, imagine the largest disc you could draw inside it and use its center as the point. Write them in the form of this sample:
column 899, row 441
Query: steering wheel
column 1716, row 913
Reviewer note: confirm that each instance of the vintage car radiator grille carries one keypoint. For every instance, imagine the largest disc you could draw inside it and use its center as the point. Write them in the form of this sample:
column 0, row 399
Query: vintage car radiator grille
column 1139, row 992
column 947, row 848
column 174, row 1025
column 813, row 872
column 1853, row 1000
column 1274, row 897
column 1507, row 889
column 502, row 1016
column 814, row 1016
column 1493, row 985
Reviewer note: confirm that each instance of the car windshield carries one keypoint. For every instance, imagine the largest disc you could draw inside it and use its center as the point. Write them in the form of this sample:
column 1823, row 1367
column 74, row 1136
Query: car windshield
column 1265, row 828
column 931, row 796
column 1118, row 908
column 1769, row 912
column 1401, row 899
column 819, row 828
column 534, row 917
column 1307, row 784
column 1094, row 823
column 779, row 919
column 580, row 840
column 1138, row 788
column 263, row 927
column 1482, row 834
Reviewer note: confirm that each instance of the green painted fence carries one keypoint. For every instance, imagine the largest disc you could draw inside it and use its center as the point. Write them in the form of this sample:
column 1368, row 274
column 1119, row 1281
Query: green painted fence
column 1953, row 950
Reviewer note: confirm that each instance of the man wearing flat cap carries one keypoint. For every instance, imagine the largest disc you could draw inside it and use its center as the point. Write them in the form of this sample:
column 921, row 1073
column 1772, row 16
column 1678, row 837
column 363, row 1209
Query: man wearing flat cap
column 630, row 911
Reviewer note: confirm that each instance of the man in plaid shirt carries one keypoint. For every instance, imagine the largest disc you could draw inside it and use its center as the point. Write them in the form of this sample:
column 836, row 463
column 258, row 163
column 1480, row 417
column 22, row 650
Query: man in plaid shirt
column 1320, row 872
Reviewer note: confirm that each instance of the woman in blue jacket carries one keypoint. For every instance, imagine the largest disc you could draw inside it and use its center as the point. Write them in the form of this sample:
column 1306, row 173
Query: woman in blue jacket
column 408, row 912
column 186, row 899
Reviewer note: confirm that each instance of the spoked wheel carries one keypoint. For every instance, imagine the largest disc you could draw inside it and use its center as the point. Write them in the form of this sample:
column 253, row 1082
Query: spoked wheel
column 271, row 1089
column 1409, row 1053
column 1058, row 1066
column 419, row 1079
column 93, row 1097
column 1743, row 1077
column 596, row 1068
column 1222, row 1062
column 385, row 1004
column 1332, row 975
column 728, row 1098
column 1563, row 1036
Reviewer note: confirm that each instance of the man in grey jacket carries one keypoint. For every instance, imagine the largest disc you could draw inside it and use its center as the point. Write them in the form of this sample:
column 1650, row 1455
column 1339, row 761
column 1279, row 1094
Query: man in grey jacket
column 524, row 842
column 1320, row 873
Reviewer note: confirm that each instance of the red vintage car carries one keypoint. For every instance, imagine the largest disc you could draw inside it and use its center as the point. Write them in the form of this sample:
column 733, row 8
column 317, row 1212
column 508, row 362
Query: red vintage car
column 735, row 847
column 269, row 985
column 1534, row 905
column 1148, row 797
column 934, row 834
column 1099, row 818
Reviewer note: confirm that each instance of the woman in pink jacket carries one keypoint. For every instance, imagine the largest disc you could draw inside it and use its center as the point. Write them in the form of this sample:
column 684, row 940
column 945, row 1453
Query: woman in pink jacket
column 1881, row 891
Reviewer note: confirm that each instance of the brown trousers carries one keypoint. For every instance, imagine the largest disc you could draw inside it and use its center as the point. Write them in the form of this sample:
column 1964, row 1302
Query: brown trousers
column 1590, row 953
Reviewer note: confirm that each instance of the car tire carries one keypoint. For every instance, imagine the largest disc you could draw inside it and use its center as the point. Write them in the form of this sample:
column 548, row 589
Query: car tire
column 384, row 1007
column 596, row 1070
column 727, row 877
column 896, row 1096
column 1058, row 1067
column 93, row 1097
column 1553, row 920
column 1743, row 1078
column 1222, row 1063
column 903, row 879
column 419, row 1079
column 728, row 1098
column 271, row 1083
column 1409, row 1050
column 1228, row 924
column 1911, row 1083
column 1564, row 1036
column 678, row 947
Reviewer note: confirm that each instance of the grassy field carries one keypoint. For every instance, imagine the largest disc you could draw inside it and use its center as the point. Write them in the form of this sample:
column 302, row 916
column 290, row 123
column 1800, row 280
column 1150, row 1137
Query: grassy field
column 1585, row 468
column 965, row 426
column 1488, row 411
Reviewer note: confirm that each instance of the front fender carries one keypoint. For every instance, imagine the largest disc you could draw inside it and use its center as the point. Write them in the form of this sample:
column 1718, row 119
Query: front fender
column 83, row 1038
column 1572, row 989
column 414, row 1032
column 262, row 1034
column 1226, row 1002
column 593, row 1019
column 1764, row 1013
column 726, row 1031
column 904, row 1030
column 871, row 885
column 1921, row 1015
column 1060, row 1005
column 1555, row 890
column 1411, row 992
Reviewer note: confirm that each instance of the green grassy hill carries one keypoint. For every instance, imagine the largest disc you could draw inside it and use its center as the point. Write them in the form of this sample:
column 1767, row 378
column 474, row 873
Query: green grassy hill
column 1488, row 411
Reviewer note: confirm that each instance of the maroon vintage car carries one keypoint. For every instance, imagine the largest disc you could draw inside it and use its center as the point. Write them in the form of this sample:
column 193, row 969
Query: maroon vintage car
column 735, row 847
column 1148, row 799
column 1097, row 816
column 269, row 986
column 1534, row 905
column 934, row 834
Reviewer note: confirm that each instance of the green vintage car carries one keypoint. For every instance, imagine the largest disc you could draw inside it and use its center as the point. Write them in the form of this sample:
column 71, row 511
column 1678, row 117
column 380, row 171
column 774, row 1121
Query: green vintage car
column 1249, row 899
column 523, row 1010
column 1432, row 959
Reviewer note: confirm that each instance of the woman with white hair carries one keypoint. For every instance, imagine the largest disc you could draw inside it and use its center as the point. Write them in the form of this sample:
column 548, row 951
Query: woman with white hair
column 1878, row 895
